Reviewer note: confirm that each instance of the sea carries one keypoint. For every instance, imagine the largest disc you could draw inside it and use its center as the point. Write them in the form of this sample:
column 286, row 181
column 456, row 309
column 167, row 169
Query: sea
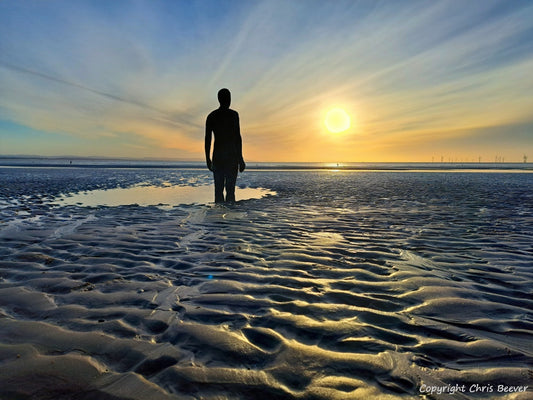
column 18, row 161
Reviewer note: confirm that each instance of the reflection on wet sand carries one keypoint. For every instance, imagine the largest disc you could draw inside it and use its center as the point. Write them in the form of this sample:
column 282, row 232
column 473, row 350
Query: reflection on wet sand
column 345, row 285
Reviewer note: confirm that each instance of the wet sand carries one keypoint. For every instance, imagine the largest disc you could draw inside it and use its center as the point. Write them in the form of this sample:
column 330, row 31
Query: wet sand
column 336, row 285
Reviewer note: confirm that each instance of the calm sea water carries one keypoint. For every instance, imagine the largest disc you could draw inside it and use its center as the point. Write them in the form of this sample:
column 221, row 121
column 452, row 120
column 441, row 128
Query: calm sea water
column 126, row 163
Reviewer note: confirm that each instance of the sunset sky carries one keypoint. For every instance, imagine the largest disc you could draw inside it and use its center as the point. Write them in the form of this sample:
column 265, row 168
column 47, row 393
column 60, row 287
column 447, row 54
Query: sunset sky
column 420, row 80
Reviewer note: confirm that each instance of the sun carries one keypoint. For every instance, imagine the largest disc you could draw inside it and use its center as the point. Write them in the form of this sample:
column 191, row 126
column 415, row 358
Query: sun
column 337, row 120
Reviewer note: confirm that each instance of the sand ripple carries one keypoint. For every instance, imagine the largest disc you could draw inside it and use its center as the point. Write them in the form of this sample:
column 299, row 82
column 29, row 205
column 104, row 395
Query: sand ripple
column 343, row 286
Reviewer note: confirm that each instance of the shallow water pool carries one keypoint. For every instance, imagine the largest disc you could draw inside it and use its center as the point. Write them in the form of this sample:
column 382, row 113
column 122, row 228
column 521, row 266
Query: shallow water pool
column 149, row 195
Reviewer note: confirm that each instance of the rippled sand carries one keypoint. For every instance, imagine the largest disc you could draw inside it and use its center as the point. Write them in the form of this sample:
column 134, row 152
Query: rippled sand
column 348, row 285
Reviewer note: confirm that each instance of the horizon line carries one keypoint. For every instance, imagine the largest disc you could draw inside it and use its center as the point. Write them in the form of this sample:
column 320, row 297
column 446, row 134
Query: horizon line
column 328, row 164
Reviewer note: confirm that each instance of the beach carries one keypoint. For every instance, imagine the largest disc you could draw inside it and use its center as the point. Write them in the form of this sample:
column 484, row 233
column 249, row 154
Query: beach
column 316, row 284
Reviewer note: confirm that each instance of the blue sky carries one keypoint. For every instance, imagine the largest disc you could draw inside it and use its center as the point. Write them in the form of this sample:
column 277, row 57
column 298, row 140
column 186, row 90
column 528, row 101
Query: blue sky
column 420, row 80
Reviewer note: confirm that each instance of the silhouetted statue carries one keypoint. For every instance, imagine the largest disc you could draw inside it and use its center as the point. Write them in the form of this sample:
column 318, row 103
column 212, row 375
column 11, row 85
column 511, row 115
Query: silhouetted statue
column 227, row 149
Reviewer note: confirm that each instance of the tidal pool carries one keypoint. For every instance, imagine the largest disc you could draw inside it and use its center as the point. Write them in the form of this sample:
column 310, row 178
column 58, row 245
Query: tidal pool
column 149, row 195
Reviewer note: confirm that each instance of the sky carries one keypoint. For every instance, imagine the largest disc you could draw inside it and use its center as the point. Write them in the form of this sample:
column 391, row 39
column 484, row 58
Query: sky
column 421, row 80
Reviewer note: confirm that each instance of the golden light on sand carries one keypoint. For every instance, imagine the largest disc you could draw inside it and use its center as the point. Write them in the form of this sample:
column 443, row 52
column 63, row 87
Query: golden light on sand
column 337, row 120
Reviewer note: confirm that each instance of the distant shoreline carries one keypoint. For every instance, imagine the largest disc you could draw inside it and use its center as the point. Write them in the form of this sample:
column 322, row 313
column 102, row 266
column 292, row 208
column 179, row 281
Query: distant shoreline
column 63, row 162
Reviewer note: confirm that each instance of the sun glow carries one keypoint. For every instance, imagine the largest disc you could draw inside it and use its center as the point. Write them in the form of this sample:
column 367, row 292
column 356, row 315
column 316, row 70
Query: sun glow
column 337, row 120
